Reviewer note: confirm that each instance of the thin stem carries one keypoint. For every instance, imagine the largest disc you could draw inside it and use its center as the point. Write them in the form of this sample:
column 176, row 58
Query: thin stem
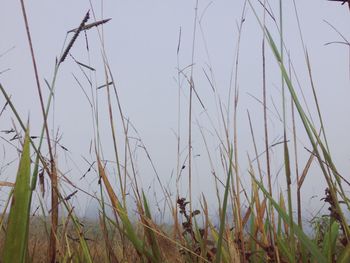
column 53, row 175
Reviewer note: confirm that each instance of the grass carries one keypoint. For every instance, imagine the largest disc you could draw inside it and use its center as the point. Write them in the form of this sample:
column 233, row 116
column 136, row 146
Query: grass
column 266, row 231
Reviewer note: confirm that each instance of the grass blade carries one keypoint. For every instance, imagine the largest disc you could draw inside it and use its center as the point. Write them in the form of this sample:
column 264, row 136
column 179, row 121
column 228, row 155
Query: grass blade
column 149, row 231
column 345, row 255
column 223, row 215
column 314, row 250
column 16, row 241
column 330, row 239
column 128, row 226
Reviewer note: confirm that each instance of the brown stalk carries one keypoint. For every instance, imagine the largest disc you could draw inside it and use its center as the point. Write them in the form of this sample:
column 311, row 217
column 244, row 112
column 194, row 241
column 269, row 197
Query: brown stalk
column 239, row 229
column 178, row 167
column 305, row 171
column 122, row 117
column 296, row 165
column 54, row 213
column 9, row 184
column 53, row 175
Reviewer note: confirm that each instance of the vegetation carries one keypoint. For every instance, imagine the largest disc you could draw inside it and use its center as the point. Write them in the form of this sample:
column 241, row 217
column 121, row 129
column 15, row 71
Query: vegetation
column 267, row 231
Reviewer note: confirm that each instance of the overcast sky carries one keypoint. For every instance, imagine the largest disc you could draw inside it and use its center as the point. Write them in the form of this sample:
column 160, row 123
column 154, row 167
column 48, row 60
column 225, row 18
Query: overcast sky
column 141, row 42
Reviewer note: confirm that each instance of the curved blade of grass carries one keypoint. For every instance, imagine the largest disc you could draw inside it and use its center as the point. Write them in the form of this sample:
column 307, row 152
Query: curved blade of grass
column 129, row 228
column 16, row 240
column 313, row 137
column 305, row 241
column 311, row 132
column 223, row 214
column 150, row 234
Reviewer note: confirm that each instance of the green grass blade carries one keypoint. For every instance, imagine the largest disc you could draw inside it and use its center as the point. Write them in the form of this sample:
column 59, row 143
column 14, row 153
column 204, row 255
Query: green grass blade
column 285, row 249
column 151, row 236
column 313, row 137
column 305, row 241
column 128, row 226
column 223, row 215
column 83, row 244
column 344, row 255
column 330, row 239
column 224, row 252
column 16, row 241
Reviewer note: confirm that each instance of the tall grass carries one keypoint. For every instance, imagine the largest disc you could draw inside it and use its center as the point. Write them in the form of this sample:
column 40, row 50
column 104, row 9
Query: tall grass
column 266, row 231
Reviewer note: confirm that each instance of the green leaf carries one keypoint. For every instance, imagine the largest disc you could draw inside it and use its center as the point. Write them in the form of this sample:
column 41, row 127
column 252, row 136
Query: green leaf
column 16, row 241
column 330, row 239
column 344, row 255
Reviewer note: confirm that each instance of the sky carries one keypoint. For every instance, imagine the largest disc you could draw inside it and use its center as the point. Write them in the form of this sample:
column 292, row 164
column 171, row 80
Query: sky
column 141, row 42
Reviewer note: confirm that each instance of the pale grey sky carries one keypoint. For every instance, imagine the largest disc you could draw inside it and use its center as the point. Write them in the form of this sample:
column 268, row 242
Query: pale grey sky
column 141, row 42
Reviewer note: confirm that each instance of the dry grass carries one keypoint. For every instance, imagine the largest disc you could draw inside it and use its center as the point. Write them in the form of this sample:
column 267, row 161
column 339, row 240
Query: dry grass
column 266, row 231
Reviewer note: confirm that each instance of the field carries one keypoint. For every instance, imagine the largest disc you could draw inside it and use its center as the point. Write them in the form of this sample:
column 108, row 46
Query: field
column 258, row 221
